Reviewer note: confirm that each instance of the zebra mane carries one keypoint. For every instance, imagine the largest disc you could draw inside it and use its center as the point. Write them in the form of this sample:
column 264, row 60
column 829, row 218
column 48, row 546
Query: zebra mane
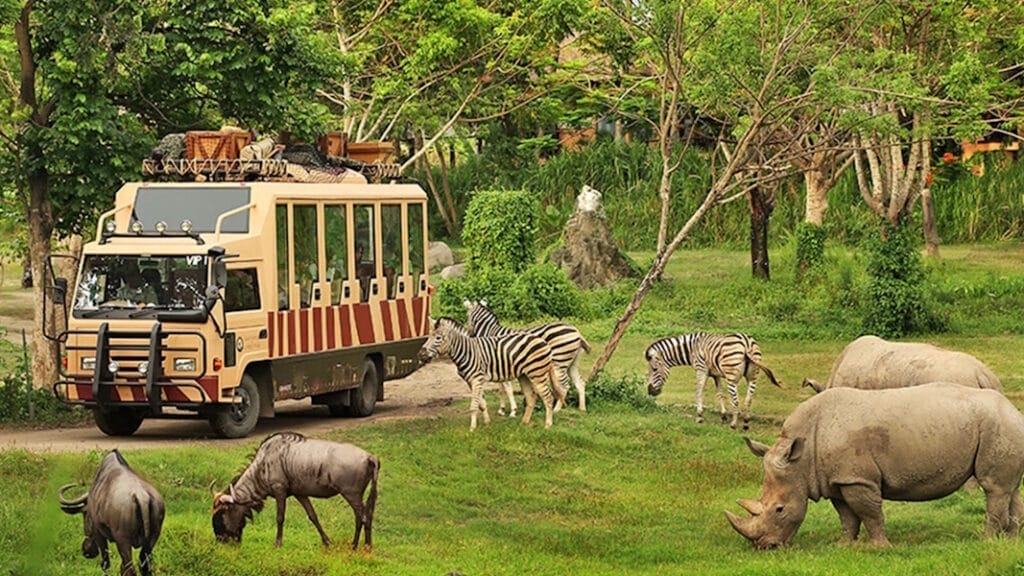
column 451, row 321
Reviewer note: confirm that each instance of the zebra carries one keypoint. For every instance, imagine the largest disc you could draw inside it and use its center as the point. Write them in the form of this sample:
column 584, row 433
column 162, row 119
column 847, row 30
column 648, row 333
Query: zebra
column 495, row 359
column 730, row 356
column 567, row 346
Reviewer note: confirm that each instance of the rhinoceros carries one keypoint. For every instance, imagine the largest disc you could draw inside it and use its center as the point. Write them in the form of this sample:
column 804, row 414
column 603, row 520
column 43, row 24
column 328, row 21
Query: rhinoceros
column 859, row 447
column 870, row 363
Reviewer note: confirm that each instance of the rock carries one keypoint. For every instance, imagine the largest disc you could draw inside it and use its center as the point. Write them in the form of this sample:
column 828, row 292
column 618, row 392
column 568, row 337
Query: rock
column 453, row 271
column 439, row 256
column 588, row 254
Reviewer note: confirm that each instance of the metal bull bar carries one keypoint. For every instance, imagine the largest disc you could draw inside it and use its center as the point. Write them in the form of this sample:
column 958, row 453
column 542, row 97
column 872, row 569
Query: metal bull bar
column 103, row 379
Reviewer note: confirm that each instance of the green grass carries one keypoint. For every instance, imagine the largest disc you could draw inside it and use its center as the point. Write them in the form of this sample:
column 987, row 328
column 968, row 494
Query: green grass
column 614, row 491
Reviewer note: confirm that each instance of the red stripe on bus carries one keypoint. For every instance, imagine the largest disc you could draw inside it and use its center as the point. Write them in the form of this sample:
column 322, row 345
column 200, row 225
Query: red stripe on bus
column 84, row 391
column 417, row 315
column 403, row 319
column 318, row 329
column 364, row 323
column 385, row 316
column 332, row 313
column 175, row 394
column 304, row 329
column 292, row 348
column 270, row 332
column 346, row 326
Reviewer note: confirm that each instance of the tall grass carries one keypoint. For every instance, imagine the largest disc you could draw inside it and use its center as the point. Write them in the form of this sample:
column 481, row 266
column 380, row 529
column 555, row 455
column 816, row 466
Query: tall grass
column 968, row 208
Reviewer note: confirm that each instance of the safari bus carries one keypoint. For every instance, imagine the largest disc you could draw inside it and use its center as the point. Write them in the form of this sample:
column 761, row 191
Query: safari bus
column 251, row 283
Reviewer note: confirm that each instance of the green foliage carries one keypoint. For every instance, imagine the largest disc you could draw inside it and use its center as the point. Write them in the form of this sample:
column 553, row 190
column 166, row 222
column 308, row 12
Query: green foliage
column 500, row 230
column 23, row 404
column 628, row 391
column 896, row 304
column 556, row 295
column 810, row 249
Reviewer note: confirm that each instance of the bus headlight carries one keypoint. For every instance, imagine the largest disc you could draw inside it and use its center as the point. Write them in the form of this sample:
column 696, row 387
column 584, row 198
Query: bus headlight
column 144, row 367
column 111, row 226
column 184, row 364
column 161, row 227
column 88, row 364
column 137, row 227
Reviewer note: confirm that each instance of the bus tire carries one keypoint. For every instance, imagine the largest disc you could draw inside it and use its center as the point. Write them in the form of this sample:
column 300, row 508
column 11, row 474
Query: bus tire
column 239, row 420
column 117, row 421
column 364, row 399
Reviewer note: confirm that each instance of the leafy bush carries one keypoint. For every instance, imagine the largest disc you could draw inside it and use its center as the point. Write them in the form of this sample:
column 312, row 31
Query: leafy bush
column 629, row 390
column 500, row 230
column 505, row 295
column 20, row 403
column 554, row 293
column 810, row 249
column 896, row 303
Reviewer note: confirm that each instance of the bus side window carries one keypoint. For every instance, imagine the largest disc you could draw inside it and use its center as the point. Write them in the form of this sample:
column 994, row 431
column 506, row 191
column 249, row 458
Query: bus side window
column 417, row 257
column 336, row 249
column 365, row 248
column 391, row 244
column 242, row 291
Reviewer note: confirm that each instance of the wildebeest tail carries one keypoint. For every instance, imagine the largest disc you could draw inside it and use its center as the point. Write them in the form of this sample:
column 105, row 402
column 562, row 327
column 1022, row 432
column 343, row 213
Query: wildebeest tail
column 142, row 524
column 373, row 467
column 771, row 375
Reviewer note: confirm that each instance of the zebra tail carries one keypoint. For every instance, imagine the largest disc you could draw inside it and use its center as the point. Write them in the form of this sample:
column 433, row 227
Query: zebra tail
column 771, row 375
column 584, row 344
column 555, row 386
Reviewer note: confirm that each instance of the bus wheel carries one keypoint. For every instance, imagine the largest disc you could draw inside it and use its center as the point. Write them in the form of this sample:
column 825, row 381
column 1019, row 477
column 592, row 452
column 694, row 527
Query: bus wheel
column 364, row 398
column 239, row 420
column 117, row 421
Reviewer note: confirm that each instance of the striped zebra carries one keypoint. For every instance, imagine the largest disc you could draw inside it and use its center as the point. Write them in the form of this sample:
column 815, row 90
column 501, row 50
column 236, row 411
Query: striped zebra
column 495, row 359
column 567, row 346
column 729, row 356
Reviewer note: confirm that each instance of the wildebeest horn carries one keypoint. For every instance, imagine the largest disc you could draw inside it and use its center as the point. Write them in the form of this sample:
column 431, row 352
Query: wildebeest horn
column 71, row 506
column 213, row 492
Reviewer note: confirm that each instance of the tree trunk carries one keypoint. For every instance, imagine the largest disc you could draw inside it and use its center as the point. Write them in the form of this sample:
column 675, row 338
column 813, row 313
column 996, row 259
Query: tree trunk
column 40, row 228
column 817, row 197
column 761, row 206
column 425, row 166
column 931, row 233
column 453, row 215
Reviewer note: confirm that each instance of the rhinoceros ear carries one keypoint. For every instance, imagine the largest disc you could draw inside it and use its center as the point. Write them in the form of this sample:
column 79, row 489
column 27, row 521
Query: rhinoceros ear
column 790, row 450
column 756, row 447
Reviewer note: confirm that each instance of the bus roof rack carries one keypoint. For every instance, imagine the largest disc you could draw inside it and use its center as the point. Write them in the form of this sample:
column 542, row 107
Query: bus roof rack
column 231, row 169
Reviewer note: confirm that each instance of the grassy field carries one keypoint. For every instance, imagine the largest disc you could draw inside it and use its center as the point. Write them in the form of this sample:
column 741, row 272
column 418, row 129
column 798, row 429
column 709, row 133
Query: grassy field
column 618, row 490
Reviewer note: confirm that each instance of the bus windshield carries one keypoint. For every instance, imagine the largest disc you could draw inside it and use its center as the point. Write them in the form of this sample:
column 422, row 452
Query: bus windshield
column 111, row 283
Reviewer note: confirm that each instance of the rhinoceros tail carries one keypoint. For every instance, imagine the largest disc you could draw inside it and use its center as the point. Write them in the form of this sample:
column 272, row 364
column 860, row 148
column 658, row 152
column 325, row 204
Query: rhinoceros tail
column 771, row 375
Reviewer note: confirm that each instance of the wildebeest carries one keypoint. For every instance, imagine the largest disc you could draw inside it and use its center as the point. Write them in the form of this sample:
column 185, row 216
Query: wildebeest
column 122, row 507
column 859, row 447
column 871, row 363
column 289, row 464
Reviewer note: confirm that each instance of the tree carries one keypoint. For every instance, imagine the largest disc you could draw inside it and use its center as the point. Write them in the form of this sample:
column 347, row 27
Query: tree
column 88, row 84
column 746, row 70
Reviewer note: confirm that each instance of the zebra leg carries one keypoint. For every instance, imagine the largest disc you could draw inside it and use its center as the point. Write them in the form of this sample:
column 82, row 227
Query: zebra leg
column 720, row 397
column 506, row 391
column 735, row 402
column 483, row 407
column 531, row 398
column 702, row 377
column 751, row 388
column 544, row 389
column 476, row 388
column 577, row 381
column 558, row 386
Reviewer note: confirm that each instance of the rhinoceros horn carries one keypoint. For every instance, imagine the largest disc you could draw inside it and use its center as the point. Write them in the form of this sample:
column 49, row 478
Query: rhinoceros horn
column 753, row 506
column 745, row 526
column 71, row 506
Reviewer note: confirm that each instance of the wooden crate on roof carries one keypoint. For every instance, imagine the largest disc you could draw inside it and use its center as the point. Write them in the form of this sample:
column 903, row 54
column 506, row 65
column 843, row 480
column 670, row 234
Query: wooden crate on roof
column 372, row 152
column 220, row 145
column 334, row 144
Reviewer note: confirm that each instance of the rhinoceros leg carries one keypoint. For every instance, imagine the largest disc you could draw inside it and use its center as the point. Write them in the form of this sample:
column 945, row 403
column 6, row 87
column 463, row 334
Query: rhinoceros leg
column 1002, row 511
column 849, row 520
column 866, row 503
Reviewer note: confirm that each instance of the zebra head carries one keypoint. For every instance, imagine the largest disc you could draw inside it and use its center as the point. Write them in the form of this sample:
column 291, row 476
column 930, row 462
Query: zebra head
column 439, row 341
column 478, row 317
column 657, row 371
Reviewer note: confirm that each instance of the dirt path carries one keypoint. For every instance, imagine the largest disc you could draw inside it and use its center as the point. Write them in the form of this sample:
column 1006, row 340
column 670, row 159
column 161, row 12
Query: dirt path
column 429, row 392
column 13, row 326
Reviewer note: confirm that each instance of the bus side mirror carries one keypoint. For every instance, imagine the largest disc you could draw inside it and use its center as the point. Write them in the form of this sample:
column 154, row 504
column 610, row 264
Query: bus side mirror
column 220, row 274
column 60, row 289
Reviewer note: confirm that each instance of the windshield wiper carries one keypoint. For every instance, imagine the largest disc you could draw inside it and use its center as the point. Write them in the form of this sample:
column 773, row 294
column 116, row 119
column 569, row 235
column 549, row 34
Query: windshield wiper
column 145, row 311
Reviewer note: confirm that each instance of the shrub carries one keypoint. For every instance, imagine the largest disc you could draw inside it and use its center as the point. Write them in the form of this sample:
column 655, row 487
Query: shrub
column 500, row 230
column 505, row 295
column 629, row 390
column 896, row 303
column 553, row 292
column 20, row 403
column 810, row 249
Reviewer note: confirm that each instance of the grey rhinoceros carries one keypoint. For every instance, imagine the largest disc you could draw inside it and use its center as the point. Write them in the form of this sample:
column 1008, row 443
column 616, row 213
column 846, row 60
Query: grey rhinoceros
column 871, row 363
column 859, row 447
